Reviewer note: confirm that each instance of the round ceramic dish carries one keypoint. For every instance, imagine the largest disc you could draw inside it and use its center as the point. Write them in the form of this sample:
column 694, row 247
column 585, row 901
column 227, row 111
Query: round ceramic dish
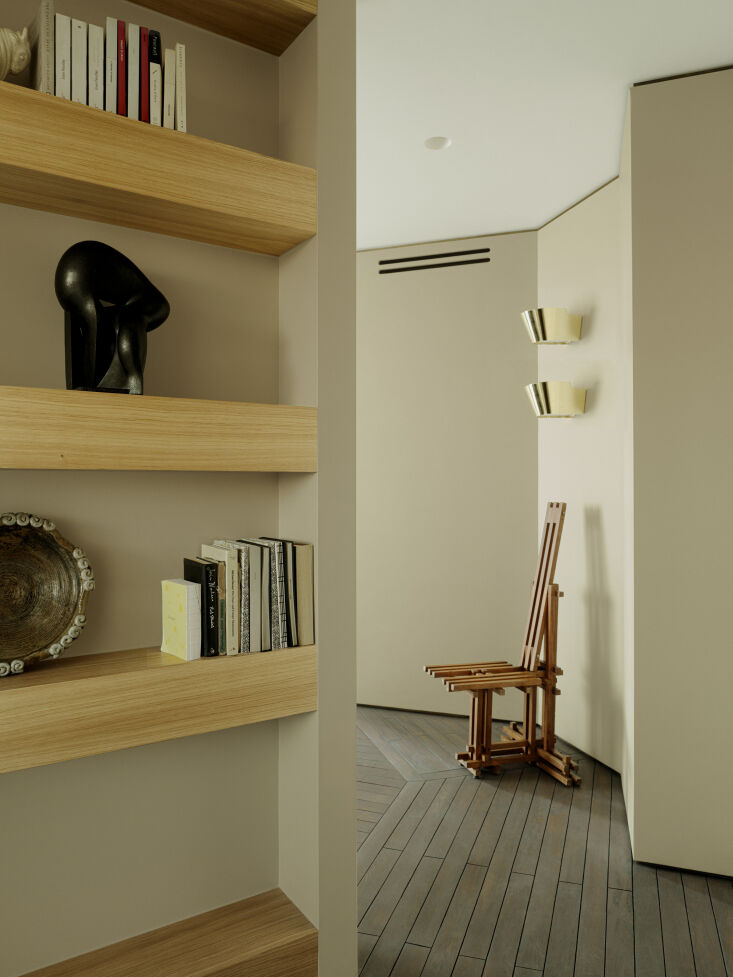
column 44, row 584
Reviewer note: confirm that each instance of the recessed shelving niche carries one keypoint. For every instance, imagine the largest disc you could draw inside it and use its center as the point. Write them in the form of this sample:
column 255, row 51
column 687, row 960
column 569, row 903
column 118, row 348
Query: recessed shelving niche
column 265, row 936
column 66, row 158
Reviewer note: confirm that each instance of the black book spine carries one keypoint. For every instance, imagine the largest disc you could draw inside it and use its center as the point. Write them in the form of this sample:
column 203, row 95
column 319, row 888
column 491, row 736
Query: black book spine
column 289, row 592
column 205, row 574
column 212, row 610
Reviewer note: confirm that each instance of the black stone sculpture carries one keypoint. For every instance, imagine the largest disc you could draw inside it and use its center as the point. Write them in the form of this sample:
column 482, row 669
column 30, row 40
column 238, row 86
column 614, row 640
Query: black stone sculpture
column 110, row 307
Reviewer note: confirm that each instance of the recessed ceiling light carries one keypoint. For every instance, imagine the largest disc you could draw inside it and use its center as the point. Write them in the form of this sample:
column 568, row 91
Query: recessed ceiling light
column 438, row 142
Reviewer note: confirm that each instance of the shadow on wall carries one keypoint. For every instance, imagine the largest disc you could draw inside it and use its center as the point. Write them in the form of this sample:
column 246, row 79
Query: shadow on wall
column 606, row 714
column 589, row 321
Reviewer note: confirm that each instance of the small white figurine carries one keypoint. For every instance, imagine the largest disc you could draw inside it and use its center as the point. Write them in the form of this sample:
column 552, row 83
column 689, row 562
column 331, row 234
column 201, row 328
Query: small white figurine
column 15, row 51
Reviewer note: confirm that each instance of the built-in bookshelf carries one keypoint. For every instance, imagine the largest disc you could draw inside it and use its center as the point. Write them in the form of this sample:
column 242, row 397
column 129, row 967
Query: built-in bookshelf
column 89, row 430
column 70, row 159
column 77, row 707
column 265, row 936
column 65, row 158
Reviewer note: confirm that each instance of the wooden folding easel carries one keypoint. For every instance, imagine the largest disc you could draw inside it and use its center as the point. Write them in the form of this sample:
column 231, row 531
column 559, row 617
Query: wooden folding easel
column 483, row 679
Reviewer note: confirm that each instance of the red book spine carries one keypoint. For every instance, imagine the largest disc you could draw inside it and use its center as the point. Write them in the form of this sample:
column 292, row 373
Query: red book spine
column 144, row 74
column 121, row 68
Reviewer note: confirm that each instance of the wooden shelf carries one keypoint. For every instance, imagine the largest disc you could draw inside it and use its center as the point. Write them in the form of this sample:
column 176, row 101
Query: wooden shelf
column 270, row 25
column 78, row 707
column 265, row 936
column 70, row 159
column 86, row 430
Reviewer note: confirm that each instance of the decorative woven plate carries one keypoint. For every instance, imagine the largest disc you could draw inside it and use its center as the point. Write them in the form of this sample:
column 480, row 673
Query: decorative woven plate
column 44, row 584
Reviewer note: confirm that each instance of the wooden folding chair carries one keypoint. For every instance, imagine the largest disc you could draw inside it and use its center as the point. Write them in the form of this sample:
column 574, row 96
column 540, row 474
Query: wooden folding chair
column 483, row 679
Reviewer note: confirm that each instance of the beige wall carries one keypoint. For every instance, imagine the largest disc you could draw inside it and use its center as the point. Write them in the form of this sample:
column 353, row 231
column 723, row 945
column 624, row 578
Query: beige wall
column 337, row 484
column 447, row 468
column 110, row 846
column 317, row 366
column 298, row 495
column 626, row 322
column 682, row 159
column 645, row 568
column 581, row 462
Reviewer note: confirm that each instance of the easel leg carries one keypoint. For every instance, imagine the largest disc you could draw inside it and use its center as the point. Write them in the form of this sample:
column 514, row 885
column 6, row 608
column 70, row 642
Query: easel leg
column 548, row 696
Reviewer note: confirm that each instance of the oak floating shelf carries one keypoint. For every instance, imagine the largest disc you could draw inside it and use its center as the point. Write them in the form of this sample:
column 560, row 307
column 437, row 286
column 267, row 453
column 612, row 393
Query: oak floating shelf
column 270, row 25
column 265, row 936
column 66, row 158
column 84, row 706
column 87, row 430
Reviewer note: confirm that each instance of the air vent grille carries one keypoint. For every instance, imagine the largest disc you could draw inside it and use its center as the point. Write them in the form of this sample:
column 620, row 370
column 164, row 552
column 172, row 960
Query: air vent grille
column 434, row 261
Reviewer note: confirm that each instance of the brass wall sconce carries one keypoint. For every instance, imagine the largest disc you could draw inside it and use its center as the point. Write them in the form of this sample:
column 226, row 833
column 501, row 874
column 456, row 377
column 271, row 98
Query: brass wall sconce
column 556, row 398
column 552, row 326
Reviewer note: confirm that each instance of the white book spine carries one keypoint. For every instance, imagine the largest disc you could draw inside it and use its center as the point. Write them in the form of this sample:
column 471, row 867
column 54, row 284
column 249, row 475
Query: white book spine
column 78, row 61
column 233, row 618
column 133, row 71
column 41, row 36
column 63, row 56
column 180, row 122
column 244, row 603
column 110, row 66
column 96, row 66
column 169, row 89
column 156, row 95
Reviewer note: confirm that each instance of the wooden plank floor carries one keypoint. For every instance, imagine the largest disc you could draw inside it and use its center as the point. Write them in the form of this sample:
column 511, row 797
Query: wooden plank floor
column 514, row 875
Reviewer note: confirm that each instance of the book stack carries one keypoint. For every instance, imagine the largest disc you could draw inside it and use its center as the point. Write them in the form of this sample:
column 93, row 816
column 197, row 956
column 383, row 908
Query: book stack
column 253, row 595
column 121, row 67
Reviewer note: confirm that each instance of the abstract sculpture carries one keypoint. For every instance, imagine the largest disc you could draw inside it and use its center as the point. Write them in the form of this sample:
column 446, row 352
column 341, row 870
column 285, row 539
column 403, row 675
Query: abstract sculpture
column 15, row 52
column 110, row 307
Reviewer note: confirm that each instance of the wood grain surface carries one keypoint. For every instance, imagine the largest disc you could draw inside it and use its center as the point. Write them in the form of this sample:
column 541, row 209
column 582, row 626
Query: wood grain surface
column 70, row 159
column 265, row 936
column 85, row 706
column 561, row 894
column 77, row 429
column 270, row 25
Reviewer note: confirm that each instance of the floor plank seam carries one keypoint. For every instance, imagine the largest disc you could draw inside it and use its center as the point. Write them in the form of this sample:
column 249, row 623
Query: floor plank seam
column 554, row 898
column 689, row 929
column 608, row 866
column 717, row 930
column 585, row 861
column 511, row 870
column 414, row 869
column 397, row 904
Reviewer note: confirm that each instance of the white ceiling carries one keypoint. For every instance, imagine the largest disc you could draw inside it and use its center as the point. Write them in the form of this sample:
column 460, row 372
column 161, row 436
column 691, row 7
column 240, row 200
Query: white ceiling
column 532, row 93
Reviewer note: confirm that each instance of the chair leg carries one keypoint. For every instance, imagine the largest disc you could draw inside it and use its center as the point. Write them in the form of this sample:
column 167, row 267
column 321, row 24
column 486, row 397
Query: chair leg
column 530, row 722
column 471, row 759
column 548, row 688
column 478, row 749
column 487, row 731
column 548, row 717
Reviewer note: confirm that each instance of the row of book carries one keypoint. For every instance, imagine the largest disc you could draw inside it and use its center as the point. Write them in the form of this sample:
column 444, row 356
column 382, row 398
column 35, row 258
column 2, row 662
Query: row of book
column 120, row 68
column 240, row 596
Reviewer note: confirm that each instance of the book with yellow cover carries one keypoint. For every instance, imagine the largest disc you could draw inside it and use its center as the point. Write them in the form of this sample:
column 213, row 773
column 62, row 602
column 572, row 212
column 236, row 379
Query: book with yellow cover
column 181, row 619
